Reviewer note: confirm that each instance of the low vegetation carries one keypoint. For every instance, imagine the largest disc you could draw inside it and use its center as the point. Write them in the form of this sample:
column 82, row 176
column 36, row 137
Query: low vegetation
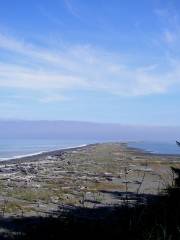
column 133, row 198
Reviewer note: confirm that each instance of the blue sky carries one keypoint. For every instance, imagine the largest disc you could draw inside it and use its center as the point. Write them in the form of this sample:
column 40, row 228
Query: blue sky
column 101, row 61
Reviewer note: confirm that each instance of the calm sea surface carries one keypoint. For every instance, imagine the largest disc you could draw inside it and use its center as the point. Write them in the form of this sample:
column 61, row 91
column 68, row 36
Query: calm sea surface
column 20, row 147
column 157, row 147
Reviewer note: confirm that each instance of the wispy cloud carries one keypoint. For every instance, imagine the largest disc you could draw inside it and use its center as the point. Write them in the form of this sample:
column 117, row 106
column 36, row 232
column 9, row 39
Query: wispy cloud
column 80, row 68
column 54, row 98
column 70, row 7
column 162, row 12
column 170, row 22
column 50, row 16
column 169, row 36
column 168, row 14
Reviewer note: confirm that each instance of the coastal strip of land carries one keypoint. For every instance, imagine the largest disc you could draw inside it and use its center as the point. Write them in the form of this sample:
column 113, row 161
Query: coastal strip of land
column 106, row 174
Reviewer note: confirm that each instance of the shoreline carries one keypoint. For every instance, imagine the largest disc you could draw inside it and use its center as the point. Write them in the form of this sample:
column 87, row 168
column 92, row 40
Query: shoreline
column 37, row 153
column 92, row 175
column 33, row 156
column 37, row 156
column 149, row 153
column 21, row 156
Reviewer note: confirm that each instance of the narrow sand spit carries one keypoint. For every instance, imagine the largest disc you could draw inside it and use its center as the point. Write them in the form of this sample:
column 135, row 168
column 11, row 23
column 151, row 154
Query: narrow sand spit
column 89, row 176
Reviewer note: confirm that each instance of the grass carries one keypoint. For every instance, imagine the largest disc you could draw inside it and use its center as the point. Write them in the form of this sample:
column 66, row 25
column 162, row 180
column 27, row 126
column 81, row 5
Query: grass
column 106, row 186
column 14, row 207
column 30, row 195
column 157, row 218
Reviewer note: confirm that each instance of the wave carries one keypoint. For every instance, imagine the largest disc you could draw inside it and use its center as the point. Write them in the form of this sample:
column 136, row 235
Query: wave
column 38, row 153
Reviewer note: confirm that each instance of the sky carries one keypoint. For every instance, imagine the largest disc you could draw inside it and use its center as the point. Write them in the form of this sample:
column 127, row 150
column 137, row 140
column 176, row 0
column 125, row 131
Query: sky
column 105, row 61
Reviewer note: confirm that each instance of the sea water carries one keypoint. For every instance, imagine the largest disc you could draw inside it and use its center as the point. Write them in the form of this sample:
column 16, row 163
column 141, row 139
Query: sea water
column 15, row 148
column 157, row 147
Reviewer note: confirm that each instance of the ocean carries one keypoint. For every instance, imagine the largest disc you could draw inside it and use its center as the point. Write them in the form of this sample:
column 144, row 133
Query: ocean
column 20, row 137
column 157, row 147
column 15, row 148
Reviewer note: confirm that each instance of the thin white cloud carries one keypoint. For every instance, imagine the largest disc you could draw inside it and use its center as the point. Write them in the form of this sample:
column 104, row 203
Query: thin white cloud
column 170, row 37
column 71, row 8
column 169, row 14
column 54, row 98
column 170, row 22
column 15, row 76
column 162, row 12
column 80, row 68
column 48, row 15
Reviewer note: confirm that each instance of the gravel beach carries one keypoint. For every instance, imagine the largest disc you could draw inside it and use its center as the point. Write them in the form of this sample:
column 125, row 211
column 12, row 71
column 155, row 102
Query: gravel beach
column 91, row 176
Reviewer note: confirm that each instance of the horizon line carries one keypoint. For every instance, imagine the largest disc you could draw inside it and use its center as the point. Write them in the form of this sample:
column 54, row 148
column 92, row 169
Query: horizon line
column 89, row 122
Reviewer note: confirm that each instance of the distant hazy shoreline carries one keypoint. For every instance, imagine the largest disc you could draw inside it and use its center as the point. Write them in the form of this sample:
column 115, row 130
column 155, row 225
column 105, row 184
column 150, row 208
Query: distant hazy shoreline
column 86, row 130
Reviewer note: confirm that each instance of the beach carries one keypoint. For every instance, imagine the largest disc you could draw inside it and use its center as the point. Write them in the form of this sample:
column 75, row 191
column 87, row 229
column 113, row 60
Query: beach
column 91, row 176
